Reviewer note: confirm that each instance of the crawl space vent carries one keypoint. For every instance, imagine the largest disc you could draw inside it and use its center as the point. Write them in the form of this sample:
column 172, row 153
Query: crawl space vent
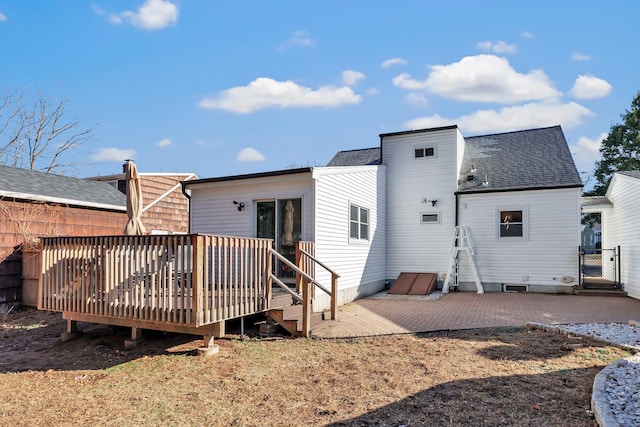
column 514, row 288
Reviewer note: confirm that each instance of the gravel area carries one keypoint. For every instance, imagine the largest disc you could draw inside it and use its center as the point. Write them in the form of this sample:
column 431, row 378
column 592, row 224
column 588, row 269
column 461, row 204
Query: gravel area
column 622, row 384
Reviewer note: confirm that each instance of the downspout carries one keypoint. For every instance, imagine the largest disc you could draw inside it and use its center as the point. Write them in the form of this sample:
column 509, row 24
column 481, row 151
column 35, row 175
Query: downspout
column 456, row 207
column 188, row 196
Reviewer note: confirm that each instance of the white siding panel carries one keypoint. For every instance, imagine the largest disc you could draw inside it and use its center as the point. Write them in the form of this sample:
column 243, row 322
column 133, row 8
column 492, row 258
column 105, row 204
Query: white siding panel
column 412, row 184
column 550, row 250
column 361, row 264
column 213, row 211
column 621, row 227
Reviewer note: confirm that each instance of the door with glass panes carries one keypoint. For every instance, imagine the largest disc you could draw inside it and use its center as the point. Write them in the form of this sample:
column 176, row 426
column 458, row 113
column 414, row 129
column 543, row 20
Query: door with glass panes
column 281, row 220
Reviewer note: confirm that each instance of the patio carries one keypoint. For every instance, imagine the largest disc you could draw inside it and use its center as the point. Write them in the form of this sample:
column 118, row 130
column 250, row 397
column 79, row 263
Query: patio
column 383, row 315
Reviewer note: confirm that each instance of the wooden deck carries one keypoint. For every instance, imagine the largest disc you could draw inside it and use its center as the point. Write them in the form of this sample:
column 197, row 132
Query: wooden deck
column 179, row 283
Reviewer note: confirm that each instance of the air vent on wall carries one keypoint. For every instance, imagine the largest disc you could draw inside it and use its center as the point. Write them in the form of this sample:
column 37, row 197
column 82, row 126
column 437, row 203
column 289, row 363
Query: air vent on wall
column 515, row 288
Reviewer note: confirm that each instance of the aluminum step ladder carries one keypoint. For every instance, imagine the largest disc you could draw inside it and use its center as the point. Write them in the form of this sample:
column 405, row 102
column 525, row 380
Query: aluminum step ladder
column 461, row 242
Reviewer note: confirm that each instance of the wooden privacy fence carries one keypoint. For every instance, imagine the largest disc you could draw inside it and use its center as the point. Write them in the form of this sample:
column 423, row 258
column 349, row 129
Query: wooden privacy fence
column 188, row 280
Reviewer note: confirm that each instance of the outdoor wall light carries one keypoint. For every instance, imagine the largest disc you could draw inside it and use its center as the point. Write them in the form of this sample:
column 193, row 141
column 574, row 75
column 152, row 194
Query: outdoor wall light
column 240, row 205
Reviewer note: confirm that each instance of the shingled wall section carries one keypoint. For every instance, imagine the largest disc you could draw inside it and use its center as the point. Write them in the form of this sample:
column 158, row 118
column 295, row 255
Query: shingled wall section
column 25, row 220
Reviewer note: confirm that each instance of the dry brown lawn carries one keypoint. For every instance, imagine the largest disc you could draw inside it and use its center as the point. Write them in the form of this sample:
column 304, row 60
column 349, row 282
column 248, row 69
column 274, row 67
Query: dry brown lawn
column 475, row 377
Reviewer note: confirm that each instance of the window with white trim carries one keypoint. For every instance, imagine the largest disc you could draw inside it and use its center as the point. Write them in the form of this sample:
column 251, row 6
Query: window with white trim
column 358, row 223
column 511, row 223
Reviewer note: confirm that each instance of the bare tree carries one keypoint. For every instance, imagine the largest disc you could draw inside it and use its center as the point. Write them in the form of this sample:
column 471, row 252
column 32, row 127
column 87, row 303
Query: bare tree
column 37, row 135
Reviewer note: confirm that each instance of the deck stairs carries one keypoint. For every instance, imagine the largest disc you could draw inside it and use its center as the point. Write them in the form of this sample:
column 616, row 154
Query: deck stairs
column 288, row 315
column 461, row 242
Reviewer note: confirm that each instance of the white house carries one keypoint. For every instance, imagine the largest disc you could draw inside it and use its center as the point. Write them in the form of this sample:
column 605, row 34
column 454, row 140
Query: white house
column 620, row 227
column 341, row 209
column 375, row 213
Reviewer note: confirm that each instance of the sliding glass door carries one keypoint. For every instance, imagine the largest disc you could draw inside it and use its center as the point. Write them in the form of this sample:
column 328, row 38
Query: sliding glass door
column 281, row 220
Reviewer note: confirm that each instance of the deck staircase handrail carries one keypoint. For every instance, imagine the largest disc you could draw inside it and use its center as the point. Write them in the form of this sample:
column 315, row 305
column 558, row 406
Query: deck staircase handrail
column 307, row 285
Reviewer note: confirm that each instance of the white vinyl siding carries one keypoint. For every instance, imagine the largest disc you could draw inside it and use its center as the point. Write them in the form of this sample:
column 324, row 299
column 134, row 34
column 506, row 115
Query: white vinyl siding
column 552, row 221
column 213, row 210
column 621, row 227
column 411, row 185
column 361, row 265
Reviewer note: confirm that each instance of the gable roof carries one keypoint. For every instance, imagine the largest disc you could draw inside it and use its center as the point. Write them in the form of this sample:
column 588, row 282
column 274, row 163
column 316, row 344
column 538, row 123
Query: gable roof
column 26, row 184
column 521, row 160
column 361, row 157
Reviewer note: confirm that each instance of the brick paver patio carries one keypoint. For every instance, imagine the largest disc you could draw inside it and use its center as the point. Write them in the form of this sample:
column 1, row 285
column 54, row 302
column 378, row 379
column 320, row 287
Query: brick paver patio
column 466, row 310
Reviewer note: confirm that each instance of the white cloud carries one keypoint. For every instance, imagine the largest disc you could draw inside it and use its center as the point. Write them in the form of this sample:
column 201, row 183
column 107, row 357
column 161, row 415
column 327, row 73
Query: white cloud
column 590, row 87
column 97, row 10
column 393, row 61
column 527, row 116
column 164, row 143
column 3, row 17
column 527, row 35
column 482, row 78
column 265, row 92
column 152, row 15
column 114, row 19
column 586, row 152
column 113, row 155
column 298, row 38
column 351, row 78
column 372, row 91
column 577, row 56
column 250, row 155
column 416, row 98
column 500, row 47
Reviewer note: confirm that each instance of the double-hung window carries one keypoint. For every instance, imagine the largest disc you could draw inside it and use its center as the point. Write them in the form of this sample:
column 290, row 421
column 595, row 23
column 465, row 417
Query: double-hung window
column 358, row 223
column 512, row 223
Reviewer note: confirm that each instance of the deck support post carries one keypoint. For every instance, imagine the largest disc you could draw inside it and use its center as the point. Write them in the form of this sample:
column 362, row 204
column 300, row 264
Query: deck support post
column 209, row 348
column 136, row 337
column 72, row 331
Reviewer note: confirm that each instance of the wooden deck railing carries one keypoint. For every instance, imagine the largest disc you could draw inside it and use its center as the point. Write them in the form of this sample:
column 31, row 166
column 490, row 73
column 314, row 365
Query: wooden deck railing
column 306, row 282
column 190, row 280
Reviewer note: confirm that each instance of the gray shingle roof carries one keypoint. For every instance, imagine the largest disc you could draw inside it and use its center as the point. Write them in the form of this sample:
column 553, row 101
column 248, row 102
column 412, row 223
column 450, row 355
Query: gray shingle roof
column 361, row 157
column 632, row 174
column 32, row 185
column 535, row 158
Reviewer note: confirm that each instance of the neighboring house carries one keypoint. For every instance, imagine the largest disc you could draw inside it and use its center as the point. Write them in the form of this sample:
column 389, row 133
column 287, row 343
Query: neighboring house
column 375, row 213
column 164, row 207
column 591, row 237
column 34, row 204
column 621, row 227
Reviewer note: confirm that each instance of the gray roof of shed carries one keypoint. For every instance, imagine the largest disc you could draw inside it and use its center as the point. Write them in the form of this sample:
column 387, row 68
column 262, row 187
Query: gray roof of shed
column 360, row 157
column 521, row 160
column 31, row 185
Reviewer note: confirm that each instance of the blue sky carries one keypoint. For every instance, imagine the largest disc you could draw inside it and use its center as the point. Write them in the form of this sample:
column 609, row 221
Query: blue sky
column 224, row 88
